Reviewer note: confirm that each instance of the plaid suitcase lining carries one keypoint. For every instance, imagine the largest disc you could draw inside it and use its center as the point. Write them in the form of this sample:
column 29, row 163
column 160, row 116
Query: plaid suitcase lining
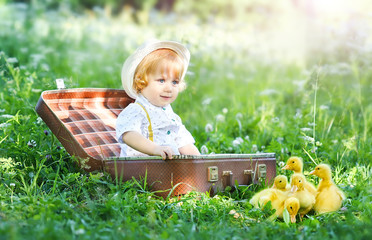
column 104, row 151
column 79, row 115
column 89, row 126
column 91, row 121
column 91, row 139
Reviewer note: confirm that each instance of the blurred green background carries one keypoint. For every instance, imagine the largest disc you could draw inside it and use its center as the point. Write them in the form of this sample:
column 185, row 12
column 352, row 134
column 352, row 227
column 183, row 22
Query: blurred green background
column 262, row 59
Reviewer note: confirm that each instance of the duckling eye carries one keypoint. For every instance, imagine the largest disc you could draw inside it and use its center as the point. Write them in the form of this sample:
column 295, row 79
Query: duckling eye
column 290, row 207
column 292, row 161
column 299, row 181
column 317, row 168
column 280, row 181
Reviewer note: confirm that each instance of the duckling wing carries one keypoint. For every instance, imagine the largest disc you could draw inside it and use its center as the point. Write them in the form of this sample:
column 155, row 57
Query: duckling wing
column 276, row 197
column 305, row 198
column 307, row 202
column 277, row 202
column 329, row 199
column 257, row 199
column 340, row 193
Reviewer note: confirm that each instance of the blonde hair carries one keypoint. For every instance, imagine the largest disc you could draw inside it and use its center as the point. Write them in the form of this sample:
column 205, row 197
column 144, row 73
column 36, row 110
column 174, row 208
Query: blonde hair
column 152, row 62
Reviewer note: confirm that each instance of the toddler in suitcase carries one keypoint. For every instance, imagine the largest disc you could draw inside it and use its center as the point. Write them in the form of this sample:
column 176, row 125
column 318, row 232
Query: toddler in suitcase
column 154, row 75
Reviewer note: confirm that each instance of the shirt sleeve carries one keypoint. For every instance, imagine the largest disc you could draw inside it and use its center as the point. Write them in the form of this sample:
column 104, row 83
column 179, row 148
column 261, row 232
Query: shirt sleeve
column 130, row 119
column 184, row 137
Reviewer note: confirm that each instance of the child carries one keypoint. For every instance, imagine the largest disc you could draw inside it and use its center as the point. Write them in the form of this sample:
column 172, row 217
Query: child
column 154, row 75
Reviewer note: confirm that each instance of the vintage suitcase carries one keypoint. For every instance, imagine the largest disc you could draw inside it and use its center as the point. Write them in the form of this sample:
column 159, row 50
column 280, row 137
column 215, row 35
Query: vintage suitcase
column 84, row 120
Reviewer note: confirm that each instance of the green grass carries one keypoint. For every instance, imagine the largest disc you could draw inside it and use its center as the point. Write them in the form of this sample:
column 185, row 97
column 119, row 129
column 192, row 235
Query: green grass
column 316, row 105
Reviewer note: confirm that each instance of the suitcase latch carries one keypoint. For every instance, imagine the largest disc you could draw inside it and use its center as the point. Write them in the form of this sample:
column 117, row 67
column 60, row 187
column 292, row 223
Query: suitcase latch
column 262, row 171
column 213, row 174
column 60, row 83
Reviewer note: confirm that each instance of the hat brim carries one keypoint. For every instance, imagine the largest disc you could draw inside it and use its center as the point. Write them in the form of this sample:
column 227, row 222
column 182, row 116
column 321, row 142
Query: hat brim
column 131, row 63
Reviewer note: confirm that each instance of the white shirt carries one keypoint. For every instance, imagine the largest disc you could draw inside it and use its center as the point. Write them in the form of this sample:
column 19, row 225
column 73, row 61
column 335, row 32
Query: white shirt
column 166, row 125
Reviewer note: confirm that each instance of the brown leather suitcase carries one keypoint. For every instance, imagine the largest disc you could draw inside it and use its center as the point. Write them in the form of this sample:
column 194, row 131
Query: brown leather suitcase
column 84, row 120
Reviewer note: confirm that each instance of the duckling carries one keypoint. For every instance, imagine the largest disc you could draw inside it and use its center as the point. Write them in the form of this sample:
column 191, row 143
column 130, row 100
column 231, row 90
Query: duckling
column 291, row 204
column 329, row 197
column 281, row 183
column 296, row 164
column 306, row 199
column 279, row 201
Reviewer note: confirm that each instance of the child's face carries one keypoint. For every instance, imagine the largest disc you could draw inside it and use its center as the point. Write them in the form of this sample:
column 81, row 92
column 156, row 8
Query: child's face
column 163, row 86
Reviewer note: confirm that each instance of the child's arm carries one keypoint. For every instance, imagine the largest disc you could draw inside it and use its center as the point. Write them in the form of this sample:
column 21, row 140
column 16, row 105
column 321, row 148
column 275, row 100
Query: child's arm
column 189, row 149
column 136, row 141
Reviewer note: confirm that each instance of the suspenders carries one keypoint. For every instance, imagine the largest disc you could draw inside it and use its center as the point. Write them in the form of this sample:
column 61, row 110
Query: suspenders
column 151, row 134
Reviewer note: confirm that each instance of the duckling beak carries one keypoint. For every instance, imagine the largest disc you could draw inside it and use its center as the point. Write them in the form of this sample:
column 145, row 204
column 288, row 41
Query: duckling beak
column 286, row 167
column 312, row 172
column 293, row 218
column 294, row 188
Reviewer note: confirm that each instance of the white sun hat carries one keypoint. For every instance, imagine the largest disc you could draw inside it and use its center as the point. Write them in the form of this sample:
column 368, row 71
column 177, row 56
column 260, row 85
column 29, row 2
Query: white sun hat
column 131, row 63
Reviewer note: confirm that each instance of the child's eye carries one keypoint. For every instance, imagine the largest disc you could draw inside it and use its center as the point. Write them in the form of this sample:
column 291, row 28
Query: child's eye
column 161, row 80
column 175, row 82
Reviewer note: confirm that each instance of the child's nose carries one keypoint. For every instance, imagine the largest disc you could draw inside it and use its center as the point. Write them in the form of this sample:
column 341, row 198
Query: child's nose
column 168, row 87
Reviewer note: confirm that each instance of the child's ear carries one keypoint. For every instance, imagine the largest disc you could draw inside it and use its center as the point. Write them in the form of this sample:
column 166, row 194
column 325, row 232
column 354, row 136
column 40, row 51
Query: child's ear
column 139, row 83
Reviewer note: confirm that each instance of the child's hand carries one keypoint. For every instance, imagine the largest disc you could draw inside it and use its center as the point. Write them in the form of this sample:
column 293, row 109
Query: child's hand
column 136, row 141
column 163, row 151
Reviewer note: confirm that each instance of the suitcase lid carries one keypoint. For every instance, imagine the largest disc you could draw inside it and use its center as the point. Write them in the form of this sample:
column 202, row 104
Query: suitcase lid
column 84, row 120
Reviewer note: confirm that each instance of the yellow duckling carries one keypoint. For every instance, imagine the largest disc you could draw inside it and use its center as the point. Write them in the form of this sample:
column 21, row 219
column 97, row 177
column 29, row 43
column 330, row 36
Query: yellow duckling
column 291, row 204
column 307, row 199
column 296, row 164
column 279, row 199
column 329, row 197
column 281, row 183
